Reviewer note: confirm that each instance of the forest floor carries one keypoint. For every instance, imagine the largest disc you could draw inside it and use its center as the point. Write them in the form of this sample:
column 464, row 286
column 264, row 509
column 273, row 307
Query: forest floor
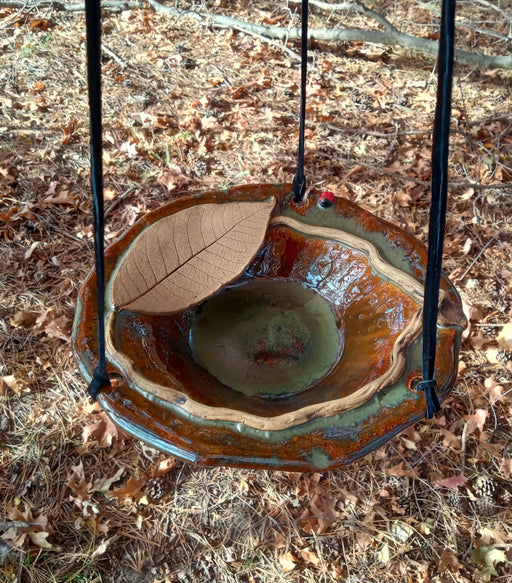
column 191, row 108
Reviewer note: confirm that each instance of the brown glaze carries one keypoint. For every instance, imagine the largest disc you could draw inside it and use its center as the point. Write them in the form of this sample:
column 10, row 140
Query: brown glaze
column 213, row 424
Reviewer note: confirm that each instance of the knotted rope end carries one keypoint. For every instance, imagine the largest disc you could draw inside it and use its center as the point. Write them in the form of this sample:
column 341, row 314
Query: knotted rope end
column 431, row 401
column 99, row 380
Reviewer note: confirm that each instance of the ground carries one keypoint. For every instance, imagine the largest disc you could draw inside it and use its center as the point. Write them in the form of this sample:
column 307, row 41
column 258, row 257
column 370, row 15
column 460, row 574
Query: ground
column 190, row 107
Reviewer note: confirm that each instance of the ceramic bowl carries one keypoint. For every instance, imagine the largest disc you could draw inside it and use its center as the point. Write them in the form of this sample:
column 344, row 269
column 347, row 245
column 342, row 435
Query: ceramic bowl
column 305, row 361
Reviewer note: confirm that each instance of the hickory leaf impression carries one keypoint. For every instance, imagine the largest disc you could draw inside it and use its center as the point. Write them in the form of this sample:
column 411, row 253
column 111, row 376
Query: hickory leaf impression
column 186, row 257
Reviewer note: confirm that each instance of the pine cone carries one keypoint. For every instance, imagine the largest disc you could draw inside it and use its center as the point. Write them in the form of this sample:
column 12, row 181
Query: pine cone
column 484, row 486
column 455, row 501
column 504, row 356
column 155, row 489
column 398, row 484
column 505, row 497
column 200, row 167
column 484, row 506
column 489, row 330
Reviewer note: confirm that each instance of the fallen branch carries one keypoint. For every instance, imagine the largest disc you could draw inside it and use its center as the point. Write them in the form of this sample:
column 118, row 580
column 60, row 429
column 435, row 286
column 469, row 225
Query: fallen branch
column 390, row 37
column 361, row 9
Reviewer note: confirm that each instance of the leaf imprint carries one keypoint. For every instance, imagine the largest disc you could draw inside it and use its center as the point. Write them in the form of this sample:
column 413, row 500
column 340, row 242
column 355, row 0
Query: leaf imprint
column 186, row 257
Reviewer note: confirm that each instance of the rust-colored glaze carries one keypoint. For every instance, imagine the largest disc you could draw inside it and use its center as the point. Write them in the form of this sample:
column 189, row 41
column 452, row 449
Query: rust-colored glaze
column 372, row 313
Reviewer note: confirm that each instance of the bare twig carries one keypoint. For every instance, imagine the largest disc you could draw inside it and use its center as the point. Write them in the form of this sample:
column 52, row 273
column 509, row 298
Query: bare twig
column 460, row 23
column 292, row 54
column 12, row 17
column 391, row 36
column 365, row 132
column 461, row 277
column 327, row 5
column 485, row 32
column 122, row 197
column 112, row 55
column 495, row 8
column 464, row 441
column 355, row 7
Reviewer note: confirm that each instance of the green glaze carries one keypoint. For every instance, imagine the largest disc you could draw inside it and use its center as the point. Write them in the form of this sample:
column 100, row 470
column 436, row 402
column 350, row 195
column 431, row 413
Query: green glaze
column 350, row 421
column 266, row 337
column 319, row 459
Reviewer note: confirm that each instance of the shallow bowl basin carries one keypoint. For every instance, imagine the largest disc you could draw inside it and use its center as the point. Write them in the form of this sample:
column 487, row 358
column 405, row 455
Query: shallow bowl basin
column 307, row 360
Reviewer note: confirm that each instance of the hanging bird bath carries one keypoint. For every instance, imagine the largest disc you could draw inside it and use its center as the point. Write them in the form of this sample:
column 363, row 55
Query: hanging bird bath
column 244, row 329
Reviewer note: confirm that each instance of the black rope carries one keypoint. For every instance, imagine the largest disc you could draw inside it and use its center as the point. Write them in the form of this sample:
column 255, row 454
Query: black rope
column 438, row 206
column 93, row 22
column 299, row 182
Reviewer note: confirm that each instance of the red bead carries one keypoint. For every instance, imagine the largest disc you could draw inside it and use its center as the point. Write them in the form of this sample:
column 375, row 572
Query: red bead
column 326, row 199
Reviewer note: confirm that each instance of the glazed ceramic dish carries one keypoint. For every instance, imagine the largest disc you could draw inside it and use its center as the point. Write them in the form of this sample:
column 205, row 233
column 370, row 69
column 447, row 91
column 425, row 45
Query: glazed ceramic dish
column 306, row 360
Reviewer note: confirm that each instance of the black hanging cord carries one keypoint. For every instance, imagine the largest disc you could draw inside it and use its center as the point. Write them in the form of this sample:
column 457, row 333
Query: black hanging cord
column 93, row 22
column 438, row 206
column 299, row 182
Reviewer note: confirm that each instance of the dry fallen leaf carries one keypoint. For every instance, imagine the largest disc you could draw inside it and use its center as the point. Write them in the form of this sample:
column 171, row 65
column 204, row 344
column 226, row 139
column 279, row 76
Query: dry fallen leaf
column 69, row 129
column 129, row 148
column 132, row 488
column 172, row 177
column 452, row 483
column 11, row 382
column 104, row 484
column 109, row 193
column 164, row 467
column 101, row 549
column 320, row 514
column 348, row 497
column 186, row 257
column 63, row 197
column 39, row 539
column 383, row 555
column 78, row 484
column 287, row 562
column 24, row 318
column 448, row 562
column 23, row 525
column 494, row 390
column 487, row 558
column 488, row 536
column 450, row 439
column 401, row 531
column 473, row 315
column 476, row 421
column 53, row 326
column 279, row 540
column 504, row 338
column 104, row 430
column 309, row 556
column 506, row 467
column 31, row 249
